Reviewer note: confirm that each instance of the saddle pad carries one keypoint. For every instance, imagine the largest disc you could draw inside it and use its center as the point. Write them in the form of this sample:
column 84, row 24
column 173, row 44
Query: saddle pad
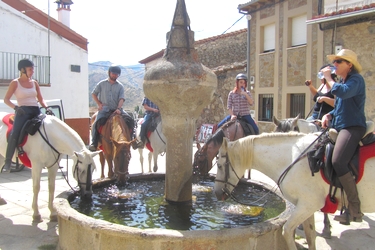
column 8, row 120
column 365, row 152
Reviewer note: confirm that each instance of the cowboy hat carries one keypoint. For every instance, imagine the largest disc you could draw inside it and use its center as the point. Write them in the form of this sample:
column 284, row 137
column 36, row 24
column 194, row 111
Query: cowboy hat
column 347, row 55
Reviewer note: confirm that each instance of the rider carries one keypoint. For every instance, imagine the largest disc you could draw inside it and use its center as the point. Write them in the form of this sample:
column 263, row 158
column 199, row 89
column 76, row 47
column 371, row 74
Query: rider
column 28, row 95
column 109, row 96
column 239, row 102
column 348, row 118
column 323, row 97
column 152, row 110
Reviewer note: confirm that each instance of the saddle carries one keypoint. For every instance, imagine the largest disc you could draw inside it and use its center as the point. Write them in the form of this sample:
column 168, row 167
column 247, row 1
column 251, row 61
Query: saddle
column 247, row 128
column 320, row 159
column 29, row 128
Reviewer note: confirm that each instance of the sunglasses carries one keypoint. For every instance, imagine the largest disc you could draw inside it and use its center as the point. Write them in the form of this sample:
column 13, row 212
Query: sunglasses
column 339, row 61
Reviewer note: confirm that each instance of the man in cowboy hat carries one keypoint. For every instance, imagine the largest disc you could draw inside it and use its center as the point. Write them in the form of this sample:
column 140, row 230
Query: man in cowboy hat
column 348, row 118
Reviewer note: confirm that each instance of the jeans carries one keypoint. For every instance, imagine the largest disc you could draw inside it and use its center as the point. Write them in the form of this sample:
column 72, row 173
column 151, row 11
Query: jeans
column 248, row 119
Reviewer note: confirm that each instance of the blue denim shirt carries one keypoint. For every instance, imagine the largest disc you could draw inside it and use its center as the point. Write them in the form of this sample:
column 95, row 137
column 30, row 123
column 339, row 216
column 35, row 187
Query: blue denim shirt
column 349, row 107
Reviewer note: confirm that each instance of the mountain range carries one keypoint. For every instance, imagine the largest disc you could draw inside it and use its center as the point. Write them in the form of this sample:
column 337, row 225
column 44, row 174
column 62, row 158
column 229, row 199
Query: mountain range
column 131, row 77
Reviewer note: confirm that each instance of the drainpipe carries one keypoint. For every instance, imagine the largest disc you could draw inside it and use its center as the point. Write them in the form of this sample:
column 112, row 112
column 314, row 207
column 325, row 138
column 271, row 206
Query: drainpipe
column 248, row 17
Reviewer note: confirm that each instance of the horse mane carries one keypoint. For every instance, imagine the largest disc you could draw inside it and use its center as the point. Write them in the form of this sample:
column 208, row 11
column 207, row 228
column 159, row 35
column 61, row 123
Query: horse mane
column 217, row 137
column 120, row 131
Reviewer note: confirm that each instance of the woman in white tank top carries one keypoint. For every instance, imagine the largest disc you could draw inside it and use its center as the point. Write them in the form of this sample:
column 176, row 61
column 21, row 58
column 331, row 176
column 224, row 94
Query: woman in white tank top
column 27, row 93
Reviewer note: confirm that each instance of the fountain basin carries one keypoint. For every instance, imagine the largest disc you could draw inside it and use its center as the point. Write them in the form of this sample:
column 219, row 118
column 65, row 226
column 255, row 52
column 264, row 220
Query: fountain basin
column 78, row 231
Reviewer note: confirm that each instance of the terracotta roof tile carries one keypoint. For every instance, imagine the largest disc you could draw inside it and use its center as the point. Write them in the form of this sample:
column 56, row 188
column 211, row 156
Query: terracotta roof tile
column 344, row 11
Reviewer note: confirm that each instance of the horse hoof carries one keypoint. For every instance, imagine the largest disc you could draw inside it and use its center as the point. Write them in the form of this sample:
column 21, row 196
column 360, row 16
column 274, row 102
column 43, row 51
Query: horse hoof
column 155, row 169
column 53, row 218
column 37, row 219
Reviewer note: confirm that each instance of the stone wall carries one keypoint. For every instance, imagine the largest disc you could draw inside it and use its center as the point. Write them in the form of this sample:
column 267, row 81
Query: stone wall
column 226, row 56
column 360, row 38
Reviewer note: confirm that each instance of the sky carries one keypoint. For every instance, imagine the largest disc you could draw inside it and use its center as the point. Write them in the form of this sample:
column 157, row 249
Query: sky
column 127, row 31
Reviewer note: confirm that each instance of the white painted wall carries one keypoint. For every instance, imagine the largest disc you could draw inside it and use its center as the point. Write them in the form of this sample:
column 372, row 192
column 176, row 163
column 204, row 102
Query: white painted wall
column 21, row 34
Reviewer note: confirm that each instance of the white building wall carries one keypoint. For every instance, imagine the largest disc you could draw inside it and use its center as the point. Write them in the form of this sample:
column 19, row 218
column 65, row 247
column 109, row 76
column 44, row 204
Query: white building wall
column 20, row 34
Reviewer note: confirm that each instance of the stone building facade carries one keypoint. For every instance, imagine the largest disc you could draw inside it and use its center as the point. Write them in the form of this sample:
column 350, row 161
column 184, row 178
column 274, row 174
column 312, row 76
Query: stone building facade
column 279, row 72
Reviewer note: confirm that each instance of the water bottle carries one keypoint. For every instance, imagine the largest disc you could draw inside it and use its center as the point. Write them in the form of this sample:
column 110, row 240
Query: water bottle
column 243, row 89
column 321, row 75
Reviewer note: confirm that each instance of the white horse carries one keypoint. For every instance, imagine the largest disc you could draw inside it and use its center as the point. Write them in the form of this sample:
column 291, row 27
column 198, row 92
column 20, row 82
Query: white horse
column 45, row 149
column 158, row 144
column 272, row 154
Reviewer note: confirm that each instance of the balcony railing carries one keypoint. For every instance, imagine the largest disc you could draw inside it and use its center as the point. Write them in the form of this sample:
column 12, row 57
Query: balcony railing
column 9, row 67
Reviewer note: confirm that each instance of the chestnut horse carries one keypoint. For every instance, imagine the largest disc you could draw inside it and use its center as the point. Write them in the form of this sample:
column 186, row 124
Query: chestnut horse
column 205, row 154
column 115, row 143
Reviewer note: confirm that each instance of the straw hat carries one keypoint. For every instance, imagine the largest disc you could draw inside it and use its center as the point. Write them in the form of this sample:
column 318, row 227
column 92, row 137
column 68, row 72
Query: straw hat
column 347, row 55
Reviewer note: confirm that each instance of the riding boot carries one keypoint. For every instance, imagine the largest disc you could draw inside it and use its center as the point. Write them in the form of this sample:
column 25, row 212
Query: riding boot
column 353, row 213
column 94, row 145
column 9, row 155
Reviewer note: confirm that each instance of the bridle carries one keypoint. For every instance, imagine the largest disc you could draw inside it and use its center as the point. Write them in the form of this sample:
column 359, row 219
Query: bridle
column 226, row 182
column 204, row 162
column 227, row 166
column 88, row 182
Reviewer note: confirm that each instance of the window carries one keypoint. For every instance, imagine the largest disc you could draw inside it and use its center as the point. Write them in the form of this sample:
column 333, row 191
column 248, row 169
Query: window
column 269, row 38
column 298, row 32
column 265, row 107
column 297, row 105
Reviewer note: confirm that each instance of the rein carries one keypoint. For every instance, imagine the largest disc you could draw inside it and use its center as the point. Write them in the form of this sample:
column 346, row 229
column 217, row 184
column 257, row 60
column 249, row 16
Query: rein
column 45, row 138
column 302, row 155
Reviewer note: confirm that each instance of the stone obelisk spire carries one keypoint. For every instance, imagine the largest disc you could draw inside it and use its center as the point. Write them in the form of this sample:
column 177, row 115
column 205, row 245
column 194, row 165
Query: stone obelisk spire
column 181, row 86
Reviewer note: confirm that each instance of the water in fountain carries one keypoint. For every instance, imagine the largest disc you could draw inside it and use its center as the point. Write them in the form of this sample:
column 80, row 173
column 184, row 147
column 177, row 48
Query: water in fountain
column 141, row 204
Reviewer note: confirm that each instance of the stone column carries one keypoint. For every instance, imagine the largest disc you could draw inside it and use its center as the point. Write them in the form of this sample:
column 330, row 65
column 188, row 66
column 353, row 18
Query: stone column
column 181, row 86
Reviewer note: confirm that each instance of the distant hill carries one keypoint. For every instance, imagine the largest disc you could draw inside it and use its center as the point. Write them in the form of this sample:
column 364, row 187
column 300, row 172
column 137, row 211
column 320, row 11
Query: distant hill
column 131, row 77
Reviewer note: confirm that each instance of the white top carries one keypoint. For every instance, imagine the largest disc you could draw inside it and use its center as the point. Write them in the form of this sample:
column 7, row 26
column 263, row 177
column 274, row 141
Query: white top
column 26, row 96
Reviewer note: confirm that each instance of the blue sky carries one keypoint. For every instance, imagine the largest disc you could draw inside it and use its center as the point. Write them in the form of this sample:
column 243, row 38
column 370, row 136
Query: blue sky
column 125, row 32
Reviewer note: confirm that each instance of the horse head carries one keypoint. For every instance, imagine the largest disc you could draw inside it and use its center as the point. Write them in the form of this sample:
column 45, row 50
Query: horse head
column 121, row 159
column 200, row 163
column 290, row 124
column 226, row 178
column 83, row 168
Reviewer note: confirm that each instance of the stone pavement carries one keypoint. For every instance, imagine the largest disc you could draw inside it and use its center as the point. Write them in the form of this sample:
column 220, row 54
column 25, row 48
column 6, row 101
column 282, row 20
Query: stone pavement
column 18, row 232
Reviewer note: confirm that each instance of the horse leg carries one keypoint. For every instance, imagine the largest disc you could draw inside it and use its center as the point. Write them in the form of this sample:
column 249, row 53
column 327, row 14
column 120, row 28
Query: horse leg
column 35, row 174
column 102, row 164
column 140, row 151
column 155, row 162
column 51, row 191
column 327, row 227
column 310, row 233
column 300, row 214
column 149, row 161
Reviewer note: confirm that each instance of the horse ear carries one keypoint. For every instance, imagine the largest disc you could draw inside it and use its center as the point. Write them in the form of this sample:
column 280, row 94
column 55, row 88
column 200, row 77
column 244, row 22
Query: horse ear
column 295, row 120
column 198, row 146
column 298, row 116
column 277, row 122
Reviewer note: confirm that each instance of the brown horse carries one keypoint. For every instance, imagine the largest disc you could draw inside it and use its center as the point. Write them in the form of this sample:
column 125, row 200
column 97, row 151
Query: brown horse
column 205, row 154
column 115, row 143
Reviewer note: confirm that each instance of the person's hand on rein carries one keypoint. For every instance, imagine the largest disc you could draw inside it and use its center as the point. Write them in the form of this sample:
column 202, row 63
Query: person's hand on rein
column 326, row 120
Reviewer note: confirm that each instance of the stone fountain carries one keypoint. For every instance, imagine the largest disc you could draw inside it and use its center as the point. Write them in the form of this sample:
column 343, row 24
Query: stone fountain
column 181, row 86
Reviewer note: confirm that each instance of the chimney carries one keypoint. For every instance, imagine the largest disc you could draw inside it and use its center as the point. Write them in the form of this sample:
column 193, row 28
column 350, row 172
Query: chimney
column 63, row 10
